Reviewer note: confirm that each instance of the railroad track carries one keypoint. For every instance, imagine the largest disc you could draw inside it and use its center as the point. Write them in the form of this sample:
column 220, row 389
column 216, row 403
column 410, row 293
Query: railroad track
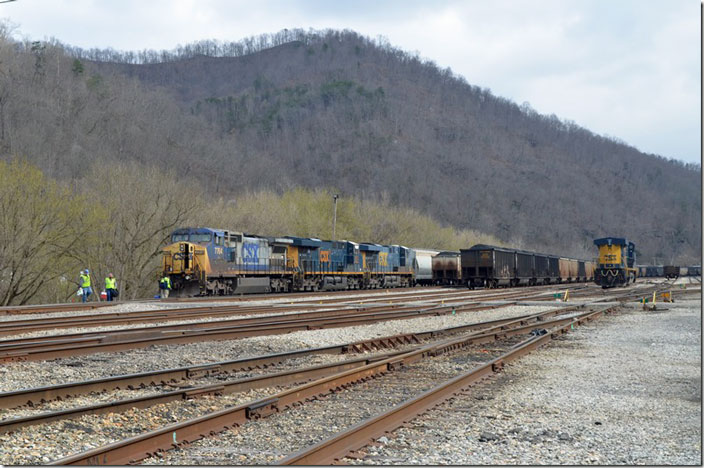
column 15, row 327
column 55, row 346
column 37, row 396
column 219, row 388
column 298, row 398
column 328, row 296
column 485, row 335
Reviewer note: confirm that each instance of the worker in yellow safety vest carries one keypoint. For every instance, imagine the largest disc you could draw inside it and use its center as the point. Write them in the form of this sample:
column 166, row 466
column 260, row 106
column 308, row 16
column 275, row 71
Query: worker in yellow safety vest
column 111, row 287
column 164, row 286
column 84, row 281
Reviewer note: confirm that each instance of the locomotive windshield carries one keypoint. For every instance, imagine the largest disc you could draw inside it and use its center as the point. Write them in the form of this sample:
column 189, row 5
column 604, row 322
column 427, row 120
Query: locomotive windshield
column 195, row 238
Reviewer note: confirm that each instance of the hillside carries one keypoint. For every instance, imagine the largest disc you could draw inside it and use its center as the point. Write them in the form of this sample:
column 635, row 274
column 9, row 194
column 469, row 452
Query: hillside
column 336, row 110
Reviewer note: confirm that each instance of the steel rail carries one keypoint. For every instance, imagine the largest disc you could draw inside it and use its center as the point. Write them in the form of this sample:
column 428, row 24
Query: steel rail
column 61, row 346
column 118, row 340
column 152, row 331
column 239, row 385
column 38, row 395
column 74, row 306
column 139, row 447
column 14, row 327
column 222, row 324
column 334, row 448
column 49, row 308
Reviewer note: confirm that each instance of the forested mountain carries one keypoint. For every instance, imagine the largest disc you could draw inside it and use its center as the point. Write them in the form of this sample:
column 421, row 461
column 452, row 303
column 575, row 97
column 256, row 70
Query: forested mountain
column 337, row 110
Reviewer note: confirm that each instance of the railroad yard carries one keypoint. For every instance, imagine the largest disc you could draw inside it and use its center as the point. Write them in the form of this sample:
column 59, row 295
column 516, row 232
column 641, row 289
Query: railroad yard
column 559, row 374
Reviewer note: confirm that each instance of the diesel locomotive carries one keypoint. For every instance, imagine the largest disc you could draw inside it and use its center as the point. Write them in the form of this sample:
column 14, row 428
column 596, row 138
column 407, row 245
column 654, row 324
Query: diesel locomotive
column 616, row 263
column 205, row 261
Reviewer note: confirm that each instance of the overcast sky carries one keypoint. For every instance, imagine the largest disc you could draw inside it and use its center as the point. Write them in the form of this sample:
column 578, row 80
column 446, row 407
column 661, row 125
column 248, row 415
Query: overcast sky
column 624, row 68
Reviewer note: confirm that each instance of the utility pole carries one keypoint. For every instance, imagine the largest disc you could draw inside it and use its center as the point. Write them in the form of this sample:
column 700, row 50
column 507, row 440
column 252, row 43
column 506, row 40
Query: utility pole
column 334, row 214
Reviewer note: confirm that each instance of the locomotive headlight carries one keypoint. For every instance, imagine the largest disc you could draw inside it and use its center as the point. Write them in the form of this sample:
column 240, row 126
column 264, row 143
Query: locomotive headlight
column 188, row 277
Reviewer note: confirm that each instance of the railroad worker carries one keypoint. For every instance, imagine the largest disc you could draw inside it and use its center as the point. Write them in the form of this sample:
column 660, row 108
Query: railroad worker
column 111, row 287
column 84, row 281
column 164, row 286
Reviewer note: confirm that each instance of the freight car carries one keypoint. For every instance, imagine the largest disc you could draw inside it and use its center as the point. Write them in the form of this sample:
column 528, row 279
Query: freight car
column 446, row 268
column 491, row 267
column 650, row 271
column 205, row 261
column 616, row 264
column 424, row 266
column 671, row 271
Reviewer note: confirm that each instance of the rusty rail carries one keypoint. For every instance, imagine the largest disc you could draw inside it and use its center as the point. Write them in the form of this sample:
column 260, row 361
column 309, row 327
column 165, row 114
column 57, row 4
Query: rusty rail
column 136, row 448
column 360, row 435
column 281, row 378
column 41, row 394
column 109, row 341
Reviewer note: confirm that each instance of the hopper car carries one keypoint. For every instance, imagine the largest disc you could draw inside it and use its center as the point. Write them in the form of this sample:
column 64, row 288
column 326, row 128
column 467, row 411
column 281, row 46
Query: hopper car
column 491, row 266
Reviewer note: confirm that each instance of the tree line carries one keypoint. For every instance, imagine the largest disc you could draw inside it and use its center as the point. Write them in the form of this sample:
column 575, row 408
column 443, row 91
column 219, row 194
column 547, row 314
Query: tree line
column 116, row 220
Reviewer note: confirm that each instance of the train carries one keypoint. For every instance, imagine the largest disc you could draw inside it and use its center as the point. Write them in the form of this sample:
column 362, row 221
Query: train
column 616, row 263
column 674, row 271
column 491, row 267
column 217, row 262
column 207, row 261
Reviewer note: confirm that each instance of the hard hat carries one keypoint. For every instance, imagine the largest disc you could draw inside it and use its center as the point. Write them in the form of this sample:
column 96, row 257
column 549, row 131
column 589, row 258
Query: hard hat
column 87, row 271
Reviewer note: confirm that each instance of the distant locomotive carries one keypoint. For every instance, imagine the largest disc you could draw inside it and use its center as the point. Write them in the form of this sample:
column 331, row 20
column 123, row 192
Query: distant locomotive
column 205, row 261
column 616, row 264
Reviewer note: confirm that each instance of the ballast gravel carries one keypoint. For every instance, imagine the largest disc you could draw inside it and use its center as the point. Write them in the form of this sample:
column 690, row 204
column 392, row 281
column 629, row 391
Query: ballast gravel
column 30, row 374
column 625, row 389
column 266, row 441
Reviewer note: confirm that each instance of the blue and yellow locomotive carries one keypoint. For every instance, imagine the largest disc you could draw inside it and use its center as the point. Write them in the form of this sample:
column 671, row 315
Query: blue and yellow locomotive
column 205, row 261
column 616, row 263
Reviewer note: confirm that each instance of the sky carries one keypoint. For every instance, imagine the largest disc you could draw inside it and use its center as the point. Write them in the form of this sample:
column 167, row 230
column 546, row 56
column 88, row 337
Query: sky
column 629, row 69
